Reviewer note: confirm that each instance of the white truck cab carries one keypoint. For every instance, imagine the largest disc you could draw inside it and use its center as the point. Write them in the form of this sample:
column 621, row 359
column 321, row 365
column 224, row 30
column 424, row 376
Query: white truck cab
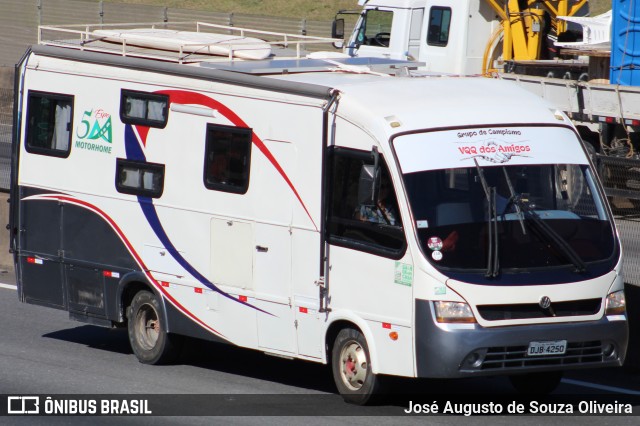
column 447, row 36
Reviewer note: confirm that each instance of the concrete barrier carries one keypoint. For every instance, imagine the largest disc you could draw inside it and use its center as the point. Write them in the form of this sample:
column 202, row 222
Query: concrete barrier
column 6, row 77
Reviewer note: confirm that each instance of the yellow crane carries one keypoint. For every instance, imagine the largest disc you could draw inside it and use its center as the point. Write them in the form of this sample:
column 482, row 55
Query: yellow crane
column 519, row 36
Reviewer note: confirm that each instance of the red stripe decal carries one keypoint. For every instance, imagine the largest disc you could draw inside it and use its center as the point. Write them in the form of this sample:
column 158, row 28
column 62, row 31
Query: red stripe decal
column 143, row 132
column 191, row 98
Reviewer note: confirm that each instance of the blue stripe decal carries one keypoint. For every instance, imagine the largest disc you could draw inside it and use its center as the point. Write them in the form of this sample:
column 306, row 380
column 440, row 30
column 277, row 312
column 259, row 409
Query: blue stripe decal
column 134, row 152
column 131, row 145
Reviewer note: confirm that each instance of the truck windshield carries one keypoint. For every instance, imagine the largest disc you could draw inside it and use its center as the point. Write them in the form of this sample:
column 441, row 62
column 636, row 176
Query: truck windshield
column 539, row 216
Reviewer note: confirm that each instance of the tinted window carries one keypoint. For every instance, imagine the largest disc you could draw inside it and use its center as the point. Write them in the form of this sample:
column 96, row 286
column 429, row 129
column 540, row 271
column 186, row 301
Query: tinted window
column 49, row 118
column 139, row 178
column 227, row 158
column 439, row 23
column 356, row 221
column 147, row 109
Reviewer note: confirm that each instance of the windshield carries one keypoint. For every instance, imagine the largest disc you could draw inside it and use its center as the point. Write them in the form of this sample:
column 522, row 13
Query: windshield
column 499, row 208
column 453, row 216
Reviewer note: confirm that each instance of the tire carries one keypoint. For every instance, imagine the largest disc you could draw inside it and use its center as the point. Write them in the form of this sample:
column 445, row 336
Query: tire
column 351, row 366
column 542, row 383
column 148, row 337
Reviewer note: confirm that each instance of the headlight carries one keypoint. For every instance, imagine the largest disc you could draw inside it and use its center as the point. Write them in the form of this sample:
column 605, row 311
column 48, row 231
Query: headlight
column 453, row 312
column 616, row 303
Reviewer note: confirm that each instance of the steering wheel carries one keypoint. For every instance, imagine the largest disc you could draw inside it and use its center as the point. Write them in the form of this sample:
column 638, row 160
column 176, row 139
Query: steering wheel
column 382, row 39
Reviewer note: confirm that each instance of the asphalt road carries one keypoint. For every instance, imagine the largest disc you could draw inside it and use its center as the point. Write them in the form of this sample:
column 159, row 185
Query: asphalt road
column 43, row 352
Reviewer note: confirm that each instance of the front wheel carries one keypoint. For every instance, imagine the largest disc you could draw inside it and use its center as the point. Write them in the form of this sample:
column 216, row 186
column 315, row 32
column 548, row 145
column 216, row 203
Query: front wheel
column 536, row 383
column 147, row 332
column 351, row 367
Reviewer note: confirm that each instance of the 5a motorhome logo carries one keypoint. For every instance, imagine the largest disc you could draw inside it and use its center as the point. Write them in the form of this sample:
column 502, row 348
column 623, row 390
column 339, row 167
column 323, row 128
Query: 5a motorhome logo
column 94, row 132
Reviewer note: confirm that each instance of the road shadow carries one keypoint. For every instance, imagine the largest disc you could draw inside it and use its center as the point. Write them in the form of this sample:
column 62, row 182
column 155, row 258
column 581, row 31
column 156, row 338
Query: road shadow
column 258, row 365
column 304, row 375
column 212, row 356
column 255, row 364
column 106, row 339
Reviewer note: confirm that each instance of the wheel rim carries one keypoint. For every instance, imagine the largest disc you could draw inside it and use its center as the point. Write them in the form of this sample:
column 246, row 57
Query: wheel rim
column 147, row 327
column 353, row 365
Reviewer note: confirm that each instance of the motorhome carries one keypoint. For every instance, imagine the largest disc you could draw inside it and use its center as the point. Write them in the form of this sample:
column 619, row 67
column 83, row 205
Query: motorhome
column 382, row 222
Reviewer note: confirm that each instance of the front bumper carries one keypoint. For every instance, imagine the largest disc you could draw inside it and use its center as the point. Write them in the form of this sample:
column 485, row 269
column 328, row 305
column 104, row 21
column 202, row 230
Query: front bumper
column 450, row 352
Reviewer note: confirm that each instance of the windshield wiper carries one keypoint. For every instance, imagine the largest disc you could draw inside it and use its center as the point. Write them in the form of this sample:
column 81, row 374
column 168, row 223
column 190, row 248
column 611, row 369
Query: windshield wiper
column 512, row 195
column 550, row 233
column 493, row 264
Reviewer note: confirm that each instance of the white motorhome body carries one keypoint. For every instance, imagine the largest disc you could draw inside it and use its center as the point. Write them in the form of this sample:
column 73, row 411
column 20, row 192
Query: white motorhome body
column 192, row 200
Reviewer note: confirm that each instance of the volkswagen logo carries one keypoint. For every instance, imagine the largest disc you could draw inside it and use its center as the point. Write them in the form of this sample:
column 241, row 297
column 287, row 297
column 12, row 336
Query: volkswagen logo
column 545, row 302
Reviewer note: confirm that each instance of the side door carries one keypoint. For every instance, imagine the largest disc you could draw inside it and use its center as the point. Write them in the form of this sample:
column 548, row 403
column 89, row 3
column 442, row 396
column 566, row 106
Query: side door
column 370, row 267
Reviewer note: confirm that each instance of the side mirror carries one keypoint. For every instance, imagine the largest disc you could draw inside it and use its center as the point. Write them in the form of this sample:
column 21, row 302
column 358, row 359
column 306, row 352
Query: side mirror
column 369, row 182
column 337, row 28
column 366, row 185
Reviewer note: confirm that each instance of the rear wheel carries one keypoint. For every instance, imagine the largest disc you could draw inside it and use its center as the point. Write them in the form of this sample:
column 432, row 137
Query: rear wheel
column 536, row 383
column 351, row 367
column 147, row 332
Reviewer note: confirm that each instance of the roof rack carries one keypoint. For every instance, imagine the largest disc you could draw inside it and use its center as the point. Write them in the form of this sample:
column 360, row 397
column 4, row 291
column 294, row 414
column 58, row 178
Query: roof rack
column 182, row 42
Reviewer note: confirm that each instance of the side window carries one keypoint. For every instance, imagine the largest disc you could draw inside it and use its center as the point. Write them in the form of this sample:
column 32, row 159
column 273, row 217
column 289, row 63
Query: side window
column 354, row 220
column 49, row 123
column 375, row 28
column 139, row 178
column 439, row 25
column 146, row 109
column 227, row 158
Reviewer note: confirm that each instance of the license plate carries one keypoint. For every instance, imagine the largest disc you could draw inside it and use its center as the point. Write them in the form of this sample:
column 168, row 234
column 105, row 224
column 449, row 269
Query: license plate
column 553, row 347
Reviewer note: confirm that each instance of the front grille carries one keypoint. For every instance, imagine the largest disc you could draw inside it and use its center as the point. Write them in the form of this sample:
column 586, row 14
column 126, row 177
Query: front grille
column 533, row 310
column 516, row 356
